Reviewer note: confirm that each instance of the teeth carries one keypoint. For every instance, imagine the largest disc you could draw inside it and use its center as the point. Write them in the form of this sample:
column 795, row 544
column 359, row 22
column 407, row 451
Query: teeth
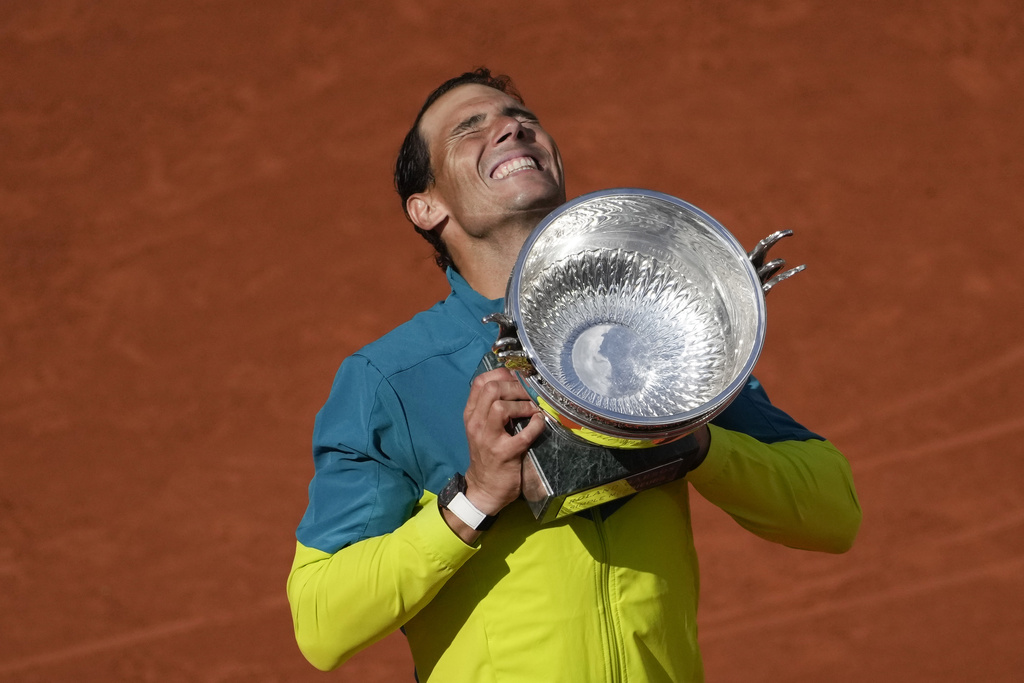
column 510, row 167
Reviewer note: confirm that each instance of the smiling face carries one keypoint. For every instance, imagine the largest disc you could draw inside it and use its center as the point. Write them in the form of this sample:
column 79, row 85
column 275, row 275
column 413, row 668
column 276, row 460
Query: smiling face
column 493, row 164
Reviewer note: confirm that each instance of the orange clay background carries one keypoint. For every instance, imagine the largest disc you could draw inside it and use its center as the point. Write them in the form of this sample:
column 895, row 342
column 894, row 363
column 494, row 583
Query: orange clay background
column 197, row 224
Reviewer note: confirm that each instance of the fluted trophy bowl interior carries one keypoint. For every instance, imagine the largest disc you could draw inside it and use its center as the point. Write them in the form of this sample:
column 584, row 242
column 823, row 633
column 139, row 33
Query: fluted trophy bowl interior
column 640, row 314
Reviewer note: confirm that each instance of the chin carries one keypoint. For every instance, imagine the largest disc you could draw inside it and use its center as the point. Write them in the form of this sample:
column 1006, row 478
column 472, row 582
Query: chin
column 537, row 201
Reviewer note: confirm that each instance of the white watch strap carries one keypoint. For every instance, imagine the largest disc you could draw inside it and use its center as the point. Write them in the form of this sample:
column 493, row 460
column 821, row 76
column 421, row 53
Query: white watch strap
column 466, row 511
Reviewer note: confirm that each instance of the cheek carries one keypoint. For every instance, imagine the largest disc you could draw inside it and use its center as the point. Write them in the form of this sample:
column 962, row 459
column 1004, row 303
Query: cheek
column 557, row 157
column 462, row 169
column 457, row 177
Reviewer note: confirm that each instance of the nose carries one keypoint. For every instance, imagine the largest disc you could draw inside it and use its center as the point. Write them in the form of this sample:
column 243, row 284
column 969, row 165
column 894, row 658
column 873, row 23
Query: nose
column 509, row 127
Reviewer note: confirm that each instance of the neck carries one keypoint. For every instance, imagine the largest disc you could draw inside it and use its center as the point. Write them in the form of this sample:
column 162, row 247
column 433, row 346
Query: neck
column 489, row 265
column 485, row 258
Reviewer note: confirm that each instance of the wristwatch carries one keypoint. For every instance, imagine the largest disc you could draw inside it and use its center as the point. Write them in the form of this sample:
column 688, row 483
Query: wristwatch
column 453, row 497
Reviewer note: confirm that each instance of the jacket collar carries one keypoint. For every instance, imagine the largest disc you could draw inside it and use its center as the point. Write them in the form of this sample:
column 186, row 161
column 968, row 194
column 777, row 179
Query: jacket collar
column 476, row 305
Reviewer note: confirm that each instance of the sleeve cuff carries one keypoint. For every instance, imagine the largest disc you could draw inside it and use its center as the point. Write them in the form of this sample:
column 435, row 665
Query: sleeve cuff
column 434, row 535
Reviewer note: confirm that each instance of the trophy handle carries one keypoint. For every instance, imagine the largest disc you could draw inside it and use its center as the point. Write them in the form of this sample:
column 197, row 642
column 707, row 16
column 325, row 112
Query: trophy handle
column 508, row 348
column 766, row 271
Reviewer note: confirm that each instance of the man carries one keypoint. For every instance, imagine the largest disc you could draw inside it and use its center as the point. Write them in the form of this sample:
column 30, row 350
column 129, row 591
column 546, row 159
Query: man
column 482, row 591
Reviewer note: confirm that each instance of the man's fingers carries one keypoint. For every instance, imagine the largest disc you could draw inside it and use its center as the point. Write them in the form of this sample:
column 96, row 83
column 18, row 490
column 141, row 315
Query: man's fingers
column 510, row 390
column 495, row 418
column 496, row 401
column 491, row 387
column 510, row 410
column 501, row 379
column 529, row 431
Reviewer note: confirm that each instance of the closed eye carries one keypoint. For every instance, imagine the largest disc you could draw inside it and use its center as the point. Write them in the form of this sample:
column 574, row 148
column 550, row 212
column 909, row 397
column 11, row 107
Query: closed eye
column 468, row 125
column 520, row 113
column 473, row 122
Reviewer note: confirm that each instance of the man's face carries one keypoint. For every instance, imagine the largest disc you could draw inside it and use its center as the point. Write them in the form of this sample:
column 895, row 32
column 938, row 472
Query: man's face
column 492, row 161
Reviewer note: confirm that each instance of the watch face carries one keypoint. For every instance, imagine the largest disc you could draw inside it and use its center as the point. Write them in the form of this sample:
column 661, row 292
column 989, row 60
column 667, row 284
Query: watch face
column 456, row 484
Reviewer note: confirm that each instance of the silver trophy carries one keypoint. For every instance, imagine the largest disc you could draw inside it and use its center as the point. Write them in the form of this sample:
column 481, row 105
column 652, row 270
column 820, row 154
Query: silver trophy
column 631, row 318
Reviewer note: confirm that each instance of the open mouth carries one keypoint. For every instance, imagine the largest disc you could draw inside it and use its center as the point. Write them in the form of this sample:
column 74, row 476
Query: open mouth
column 512, row 166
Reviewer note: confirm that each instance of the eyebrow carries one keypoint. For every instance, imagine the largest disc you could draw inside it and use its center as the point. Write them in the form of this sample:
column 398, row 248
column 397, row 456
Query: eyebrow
column 513, row 110
column 476, row 119
column 468, row 124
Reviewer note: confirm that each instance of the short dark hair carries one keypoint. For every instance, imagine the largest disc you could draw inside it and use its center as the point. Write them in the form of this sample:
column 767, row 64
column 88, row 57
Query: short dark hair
column 413, row 172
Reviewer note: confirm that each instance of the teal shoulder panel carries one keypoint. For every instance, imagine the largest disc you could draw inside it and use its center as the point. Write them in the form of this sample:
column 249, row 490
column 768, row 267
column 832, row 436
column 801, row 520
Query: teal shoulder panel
column 753, row 414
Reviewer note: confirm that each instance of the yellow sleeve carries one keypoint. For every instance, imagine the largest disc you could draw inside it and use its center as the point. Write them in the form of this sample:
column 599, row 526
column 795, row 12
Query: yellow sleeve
column 344, row 602
column 797, row 493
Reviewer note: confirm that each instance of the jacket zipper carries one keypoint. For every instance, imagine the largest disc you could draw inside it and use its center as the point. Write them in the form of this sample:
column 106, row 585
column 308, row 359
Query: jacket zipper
column 611, row 632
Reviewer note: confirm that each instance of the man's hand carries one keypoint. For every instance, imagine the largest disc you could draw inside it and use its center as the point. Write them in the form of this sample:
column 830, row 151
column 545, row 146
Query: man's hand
column 494, row 477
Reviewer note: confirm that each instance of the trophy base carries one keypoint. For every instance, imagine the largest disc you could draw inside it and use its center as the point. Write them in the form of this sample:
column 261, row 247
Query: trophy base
column 563, row 476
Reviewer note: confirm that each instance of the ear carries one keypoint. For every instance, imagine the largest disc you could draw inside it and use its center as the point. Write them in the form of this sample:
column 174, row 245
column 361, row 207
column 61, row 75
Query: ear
column 425, row 210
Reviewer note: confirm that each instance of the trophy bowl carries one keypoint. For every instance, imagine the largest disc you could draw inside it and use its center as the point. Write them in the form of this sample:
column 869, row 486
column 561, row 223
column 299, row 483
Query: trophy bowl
column 637, row 317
